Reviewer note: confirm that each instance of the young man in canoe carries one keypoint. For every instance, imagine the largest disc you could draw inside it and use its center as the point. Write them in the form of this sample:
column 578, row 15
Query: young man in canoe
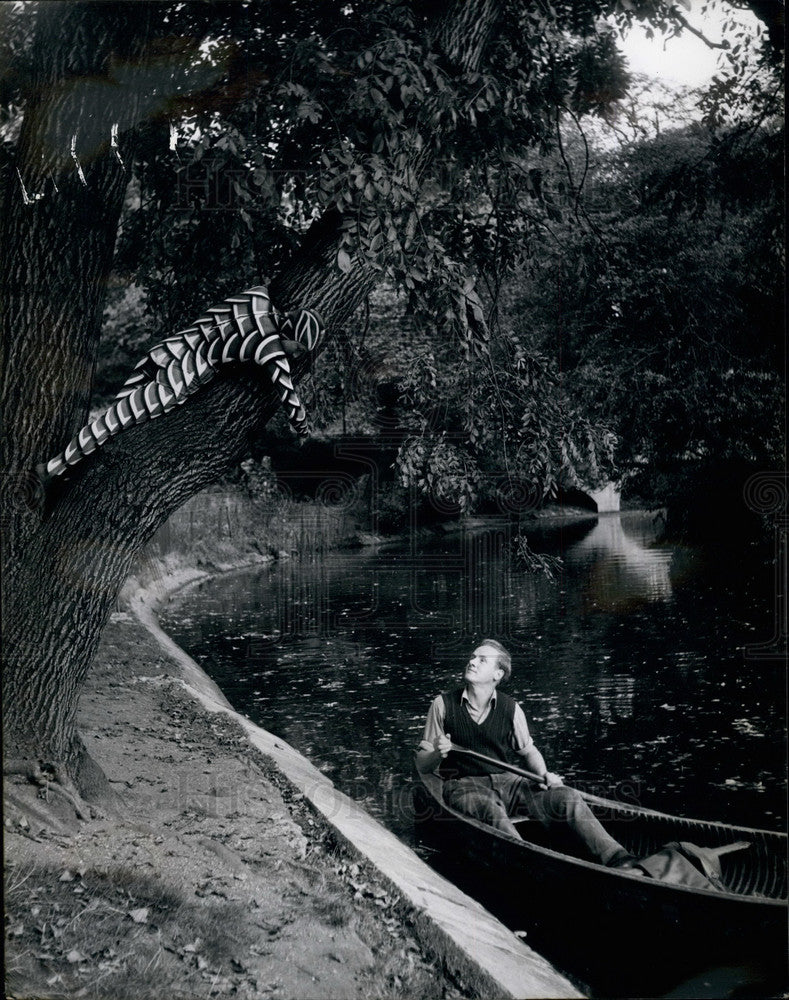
column 487, row 721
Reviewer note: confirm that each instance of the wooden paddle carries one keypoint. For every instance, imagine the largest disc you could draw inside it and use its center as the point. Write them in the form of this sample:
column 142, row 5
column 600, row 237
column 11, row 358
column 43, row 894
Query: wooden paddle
column 498, row 763
column 587, row 796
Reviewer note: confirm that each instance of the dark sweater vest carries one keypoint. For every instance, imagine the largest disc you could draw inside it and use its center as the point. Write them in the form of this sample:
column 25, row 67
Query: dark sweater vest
column 493, row 737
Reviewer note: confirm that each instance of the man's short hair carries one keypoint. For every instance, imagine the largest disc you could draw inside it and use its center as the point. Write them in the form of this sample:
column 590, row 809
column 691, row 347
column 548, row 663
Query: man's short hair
column 503, row 660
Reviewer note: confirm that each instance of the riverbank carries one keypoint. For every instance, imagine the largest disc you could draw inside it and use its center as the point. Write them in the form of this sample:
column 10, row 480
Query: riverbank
column 215, row 875
column 215, row 878
column 225, row 527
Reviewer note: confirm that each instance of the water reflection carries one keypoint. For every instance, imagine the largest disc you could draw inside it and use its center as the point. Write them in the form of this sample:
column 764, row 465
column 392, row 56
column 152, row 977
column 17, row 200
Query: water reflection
column 613, row 699
column 625, row 566
column 630, row 670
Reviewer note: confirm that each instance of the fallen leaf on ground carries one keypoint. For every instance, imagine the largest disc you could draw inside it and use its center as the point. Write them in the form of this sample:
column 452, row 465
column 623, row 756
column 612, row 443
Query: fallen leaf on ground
column 139, row 916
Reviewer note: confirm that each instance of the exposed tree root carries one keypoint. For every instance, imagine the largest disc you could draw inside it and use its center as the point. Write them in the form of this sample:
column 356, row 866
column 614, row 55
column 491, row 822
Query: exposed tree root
column 51, row 777
column 22, row 814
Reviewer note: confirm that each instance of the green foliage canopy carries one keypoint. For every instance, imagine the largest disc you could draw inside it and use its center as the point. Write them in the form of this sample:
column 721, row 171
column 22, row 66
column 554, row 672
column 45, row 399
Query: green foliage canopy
column 446, row 177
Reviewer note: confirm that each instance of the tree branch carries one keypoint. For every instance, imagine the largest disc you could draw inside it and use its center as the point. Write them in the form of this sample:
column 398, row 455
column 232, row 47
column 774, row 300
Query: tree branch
column 699, row 34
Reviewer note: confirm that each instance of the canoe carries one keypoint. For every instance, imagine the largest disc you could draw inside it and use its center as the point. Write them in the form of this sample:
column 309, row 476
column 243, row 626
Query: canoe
column 533, row 882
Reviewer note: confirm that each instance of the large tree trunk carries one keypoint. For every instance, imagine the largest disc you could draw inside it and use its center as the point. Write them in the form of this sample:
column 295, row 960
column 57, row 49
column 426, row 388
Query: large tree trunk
column 58, row 230
column 58, row 235
column 66, row 557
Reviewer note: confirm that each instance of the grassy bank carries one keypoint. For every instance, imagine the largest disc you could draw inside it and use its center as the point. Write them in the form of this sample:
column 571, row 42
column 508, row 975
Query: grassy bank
column 222, row 528
column 225, row 527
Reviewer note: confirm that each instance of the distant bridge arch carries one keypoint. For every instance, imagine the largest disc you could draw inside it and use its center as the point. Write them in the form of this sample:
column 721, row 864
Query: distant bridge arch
column 605, row 500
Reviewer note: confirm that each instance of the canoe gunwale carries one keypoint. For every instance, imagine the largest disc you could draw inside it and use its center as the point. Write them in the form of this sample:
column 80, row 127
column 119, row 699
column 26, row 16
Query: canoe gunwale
column 634, row 810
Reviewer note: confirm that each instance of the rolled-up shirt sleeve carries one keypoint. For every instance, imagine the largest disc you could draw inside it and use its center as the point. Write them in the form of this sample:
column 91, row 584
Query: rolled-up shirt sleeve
column 434, row 724
column 521, row 737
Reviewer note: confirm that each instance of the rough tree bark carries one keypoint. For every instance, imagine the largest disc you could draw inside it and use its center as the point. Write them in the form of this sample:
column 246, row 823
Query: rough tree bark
column 58, row 236
column 65, row 556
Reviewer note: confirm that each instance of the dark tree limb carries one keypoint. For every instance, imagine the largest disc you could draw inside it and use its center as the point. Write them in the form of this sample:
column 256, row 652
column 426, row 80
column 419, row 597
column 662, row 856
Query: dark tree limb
column 699, row 34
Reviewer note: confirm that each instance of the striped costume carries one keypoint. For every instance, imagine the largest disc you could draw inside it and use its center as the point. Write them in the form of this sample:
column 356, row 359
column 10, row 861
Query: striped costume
column 241, row 329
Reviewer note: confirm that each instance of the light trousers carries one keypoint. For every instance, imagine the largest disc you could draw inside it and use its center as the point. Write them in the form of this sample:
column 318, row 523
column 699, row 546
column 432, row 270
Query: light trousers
column 496, row 798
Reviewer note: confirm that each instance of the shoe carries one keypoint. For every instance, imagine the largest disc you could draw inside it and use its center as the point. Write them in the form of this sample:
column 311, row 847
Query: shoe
column 622, row 860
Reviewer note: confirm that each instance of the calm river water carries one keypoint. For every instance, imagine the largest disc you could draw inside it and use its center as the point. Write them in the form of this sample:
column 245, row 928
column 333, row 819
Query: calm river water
column 631, row 668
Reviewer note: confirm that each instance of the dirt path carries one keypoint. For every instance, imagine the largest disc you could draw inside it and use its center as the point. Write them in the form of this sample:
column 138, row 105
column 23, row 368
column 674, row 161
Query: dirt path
column 216, row 879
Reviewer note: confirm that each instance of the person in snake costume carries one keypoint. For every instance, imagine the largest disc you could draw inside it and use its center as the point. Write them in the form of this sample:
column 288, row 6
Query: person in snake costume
column 243, row 328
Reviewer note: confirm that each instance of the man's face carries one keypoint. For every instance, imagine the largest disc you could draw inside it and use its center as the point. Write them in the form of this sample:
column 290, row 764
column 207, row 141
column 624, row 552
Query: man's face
column 482, row 667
